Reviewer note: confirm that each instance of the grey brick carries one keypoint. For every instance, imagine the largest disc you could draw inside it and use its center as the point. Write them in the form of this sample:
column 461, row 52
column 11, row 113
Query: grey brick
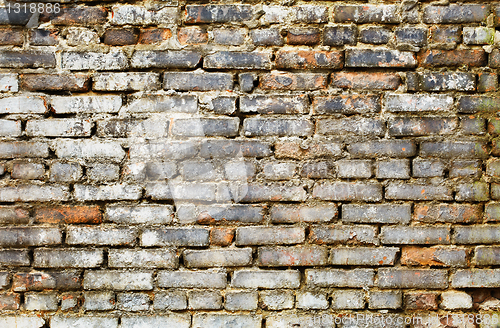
column 132, row 301
column 303, row 213
column 217, row 258
column 140, row 214
column 346, row 104
column 165, row 59
column 478, row 35
column 174, row 237
column 99, row 301
column 171, row 300
column 279, row 171
column 453, row 14
column 292, row 256
column 89, row 149
column 367, row 13
column 199, row 127
column 412, row 278
column 277, row 299
column 143, row 258
column 27, row 171
column 392, row 169
column 415, row 235
column 10, row 128
column 339, row 35
column 130, row 128
column 204, row 300
column 277, row 127
column 369, row 256
column 61, row 321
column 27, row 59
column 12, row 257
column 32, row 193
column 266, row 37
column 412, row 191
column 218, row 14
column 322, row 320
column 355, row 278
column 192, row 279
column 451, row 149
column 274, row 104
column 29, row 236
column 238, row 60
column 375, row 35
column 337, row 234
column 17, row 149
column 356, row 168
column 382, row 213
column 476, row 278
column 268, row 279
column 417, row 102
column 40, row 301
column 269, row 235
column 107, row 192
column 77, row 61
column 411, row 35
column 383, row 148
column 369, row 192
column 222, row 214
column 180, row 320
column 312, row 301
column 385, row 300
column 61, row 258
column 423, row 168
column 188, row 81
column 227, row 320
column 86, row 104
column 118, row 280
column 379, row 58
column 65, row 172
column 229, row 36
column 241, row 301
column 101, row 235
column 234, row 149
column 103, row 172
column 159, row 103
column 351, row 126
column 171, row 150
column 135, row 81
column 348, row 299
column 138, row 15
column 479, row 234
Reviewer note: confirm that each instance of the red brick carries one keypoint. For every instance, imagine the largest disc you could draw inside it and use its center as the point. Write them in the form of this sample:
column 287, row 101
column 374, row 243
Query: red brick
column 46, row 280
column 307, row 59
column 154, row 35
column 221, row 236
column 192, row 35
column 303, row 36
column 432, row 256
column 437, row 58
column 366, row 81
column 69, row 215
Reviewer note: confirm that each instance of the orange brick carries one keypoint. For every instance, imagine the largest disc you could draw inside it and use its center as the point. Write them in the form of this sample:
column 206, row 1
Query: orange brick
column 69, row 215
column 192, row 35
column 221, row 236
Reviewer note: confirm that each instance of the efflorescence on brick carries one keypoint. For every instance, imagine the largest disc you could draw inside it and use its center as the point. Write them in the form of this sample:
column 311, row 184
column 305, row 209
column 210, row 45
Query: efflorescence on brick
column 262, row 164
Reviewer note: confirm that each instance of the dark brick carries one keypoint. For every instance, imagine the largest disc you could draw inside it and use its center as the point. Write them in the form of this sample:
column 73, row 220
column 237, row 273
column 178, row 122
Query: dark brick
column 199, row 127
column 453, row 14
column 423, row 168
column 11, row 18
column 448, row 34
column 266, row 37
column 43, row 37
column 188, row 81
column 218, row 13
column 351, row 126
column 27, row 59
column 76, row 16
column 238, row 60
column 222, row 236
column 293, row 81
column 366, row 13
column 55, row 82
column 375, row 35
column 304, row 59
column 473, row 125
column 409, row 126
column 14, row 257
column 192, row 35
column 439, row 58
column 292, row 256
column 318, row 170
column 224, row 105
column 366, row 81
column 307, row 150
column 451, row 149
column 475, row 104
column 487, row 82
column 348, row 191
column 247, row 81
column 68, row 215
column 379, row 58
column 46, row 280
column 165, row 59
column 154, row 35
column 411, row 35
column 121, row 36
column 415, row 191
column 339, row 35
column 304, row 36
column 13, row 37
column 494, row 59
column 346, row 104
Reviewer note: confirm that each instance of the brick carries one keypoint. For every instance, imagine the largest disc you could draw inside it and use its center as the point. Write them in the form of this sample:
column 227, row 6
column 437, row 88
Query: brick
column 339, row 277
column 187, row 81
column 318, row 170
column 266, row 37
column 382, row 148
column 342, row 191
column 154, row 35
column 192, row 279
column 81, row 36
column 412, row 278
column 120, row 37
column 306, row 150
column 58, row 128
column 76, row 16
column 491, row 212
column 247, row 82
column 478, row 35
column 138, row 15
column 4, row 279
column 23, row 104
column 421, row 301
column 355, row 168
column 9, row 36
column 339, row 35
column 152, row 103
column 10, row 257
column 346, row 104
column 198, row 127
column 487, row 82
column 139, row 214
column 227, row 105
column 363, row 256
column 411, row 35
column 366, row 14
column 476, row 191
column 473, row 125
column 375, row 35
column 163, row 150
column 303, row 59
column 86, row 104
column 412, row 191
column 217, row 258
column 379, row 58
column 475, row 278
column 440, row 58
column 451, row 149
column 423, row 168
column 365, row 81
column 269, row 235
column 351, row 126
column 88, row 60
column 302, row 320
column 446, row 34
column 376, row 213
column 31, row 193
column 291, row 256
column 134, row 81
column 55, row 82
column 132, row 301
column 27, row 171
column 29, row 236
column 165, row 59
column 40, row 302
column 181, row 320
column 486, row 255
column 293, row 81
column 237, row 60
column 37, row 281
column 188, row 191
column 27, row 59
column 229, row 37
column 14, row 215
column 128, row 128
column 303, row 36
column 279, row 171
column 275, row 104
column 204, row 300
column 312, row 301
column 101, row 235
column 453, row 300
column 474, row 104
column 266, row 279
column 276, row 300
column 294, row 213
column 173, row 300
column 227, row 320
column 8, row 82
column 434, row 256
column 348, row 299
column 143, row 258
column 392, row 169
column 453, row 14
column 344, row 234
column 218, row 13
column 465, row 168
column 450, row 213
column 241, row 301
column 220, row 214
column 174, row 237
column 478, row 234
column 103, row 172
column 61, row 321
column 277, row 127
column 385, row 300
column 118, row 280
column 60, row 258
column 99, row 301
column 415, row 235
column 107, row 192
column 459, row 81
column 222, row 236
column 417, row 103
column 10, row 301
column 65, row 172
column 493, row 168
column 22, row 18
column 494, row 59
column 89, row 149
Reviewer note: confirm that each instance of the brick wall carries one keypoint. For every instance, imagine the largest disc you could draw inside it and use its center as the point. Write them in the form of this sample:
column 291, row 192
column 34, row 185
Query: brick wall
column 246, row 165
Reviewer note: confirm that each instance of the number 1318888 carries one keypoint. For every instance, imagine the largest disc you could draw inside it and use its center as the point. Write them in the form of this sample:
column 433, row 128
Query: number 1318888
column 34, row 7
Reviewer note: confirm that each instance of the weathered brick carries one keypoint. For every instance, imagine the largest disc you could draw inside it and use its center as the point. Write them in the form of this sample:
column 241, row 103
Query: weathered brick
column 132, row 301
column 354, row 168
column 379, row 58
column 143, row 258
column 275, row 104
column 118, row 280
column 276, row 300
column 459, row 81
column 8, row 82
column 198, row 127
column 348, row 299
column 473, row 125
column 27, row 171
column 303, row 36
column 11, row 301
column 217, row 258
column 339, row 277
column 68, row 215
column 67, row 280
column 10, row 36
column 366, row 14
column 453, row 14
column 120, row 37
column 417, row 103
column 27, row 59
column 454, row 300
column 218, row 13
column 487, row 82
column 478, row 234
column 55, row 82
column 318, row 170
column 343, row 234
column 346, row 104
column 411, row 35
column 277, row 127
column 14, row 215
column 128, row 128
column 34, row 193
column 58, row 128
column 423, row 168
column 61, row 258
column 88, row 60
column 383, row 148
column 342, row 191
column 339, row 35
column 450, row 149
column 61, row 321
column 222, row 236
column 409, row 126
column 133, row 81
column 89, row 149
column 86, row 104
column 227, row 320
column 478, row 35
column 187, row 81
column 229, row 36
column 204, row 300
column 40, row 302
column 293, row 81
column 292, row 256
column 165, row 59
column 302, row 320
column 393, row 213
column 76, row 16
column 174, row 237
column 303, row 213
column 139, row 15
column 241, row 301
column 414, row 191
column 475, row 278
column 392, row 169
column 11, row 257
column 65, row 172
column 487, row 255
column 238, row 60
column 303, row 59
column 279, row 171
column 433, row 256
column 385, row 300
column 312, row 301
column 192, row 279
column 465, row 168
column 163, row 150
column 412, row 278
column 192, row 35
column 99, row 301
column 181, row 320
column 103, row 172
column 173, row 300
column 445, row 34
column 476, row 191
column 306, row 150
column 266, row 37
column 363, row 256
column 415, row 235
column 439, row 58
column 229, row 148
column 266, row 279
column 491, row 212
column 107, row 192
column 375, row 35
column 269, row 235
column 81, row 36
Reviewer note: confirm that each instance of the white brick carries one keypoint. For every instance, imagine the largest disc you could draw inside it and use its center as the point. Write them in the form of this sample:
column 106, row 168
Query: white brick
column 126, row 81
column 23, row 105
column 86, row 104
column 138, row 15
column 60, row 321
column 59, row 128
column 9, row 128
column 118, row 280
column 20, row 321
column 8, row 82
column 140, row 214
column 171, row 320
column 89, row 149
column 76, row 60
